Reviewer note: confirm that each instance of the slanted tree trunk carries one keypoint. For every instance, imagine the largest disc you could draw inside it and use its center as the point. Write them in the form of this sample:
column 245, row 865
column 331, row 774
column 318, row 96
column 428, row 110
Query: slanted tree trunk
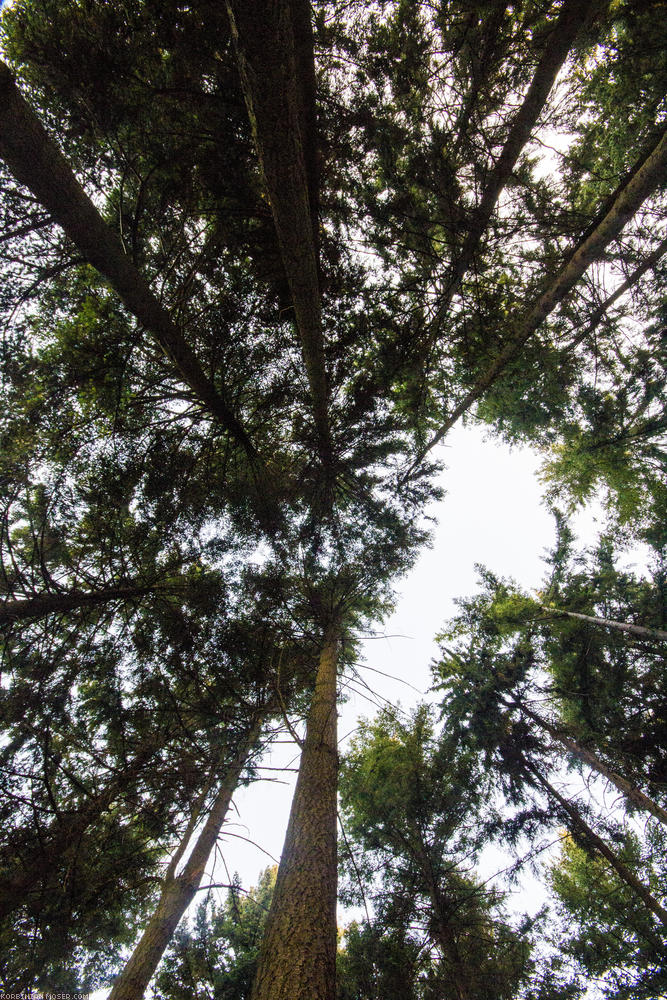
column 580, row 826
column 274, row 46
column 41, row 605
column 35, row 161
column 573, row 15
column 644, row 180
column 631, row 792
column 641, row 630
column 298, row 954
column 178, row 891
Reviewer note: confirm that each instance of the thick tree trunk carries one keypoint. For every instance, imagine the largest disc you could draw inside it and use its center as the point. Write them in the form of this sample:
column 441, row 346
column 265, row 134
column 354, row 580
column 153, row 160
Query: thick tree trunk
column 35, row 161
column 643, row 183
column 641, row 630
column 178, row 891
column 274, row 46
column 572, row 17
column 298, row 955
column 631, row 792
column 33, row 608
column 581, row 826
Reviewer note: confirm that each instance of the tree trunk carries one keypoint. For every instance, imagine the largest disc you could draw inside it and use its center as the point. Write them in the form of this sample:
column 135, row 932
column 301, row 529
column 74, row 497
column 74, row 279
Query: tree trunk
column 641, row 630
column 573, row 15
column 274, row 46
column 178, row 891
column 35, row 161
column 579, row 824
column 633, row 794
column 33, row 608
column 643, row 183
column 446, row 938
column 298, row 955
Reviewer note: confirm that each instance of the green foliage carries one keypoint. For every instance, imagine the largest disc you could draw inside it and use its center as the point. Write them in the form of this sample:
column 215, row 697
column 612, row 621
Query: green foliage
column 116, row 476
column 610, row 936
column 217, row 956
column 414, row 822
column 605, row 684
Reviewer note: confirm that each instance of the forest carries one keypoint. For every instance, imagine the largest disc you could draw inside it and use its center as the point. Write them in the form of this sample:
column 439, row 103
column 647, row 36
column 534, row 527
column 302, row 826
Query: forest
column 259, row 258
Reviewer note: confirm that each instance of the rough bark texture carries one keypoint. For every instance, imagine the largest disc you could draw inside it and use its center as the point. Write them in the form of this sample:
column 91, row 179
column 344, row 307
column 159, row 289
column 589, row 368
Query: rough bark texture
column 33, row 608
column 178, row 891
column 581, row 826
column 298, row 956
column 273, row 41
column 573, row 16
column 641, row 630
column 643, row 183
column 35, row 161
column 631, row 792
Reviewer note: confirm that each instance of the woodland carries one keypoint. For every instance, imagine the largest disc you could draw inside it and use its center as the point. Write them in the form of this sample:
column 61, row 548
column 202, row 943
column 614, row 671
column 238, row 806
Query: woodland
column 259, row 257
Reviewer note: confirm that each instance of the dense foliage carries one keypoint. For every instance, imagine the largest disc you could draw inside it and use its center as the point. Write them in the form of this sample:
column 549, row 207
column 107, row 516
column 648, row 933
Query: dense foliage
column 258, row 259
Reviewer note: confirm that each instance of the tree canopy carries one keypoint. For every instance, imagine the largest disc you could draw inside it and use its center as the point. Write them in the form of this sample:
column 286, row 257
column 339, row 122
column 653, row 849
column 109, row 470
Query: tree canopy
column 258, row 259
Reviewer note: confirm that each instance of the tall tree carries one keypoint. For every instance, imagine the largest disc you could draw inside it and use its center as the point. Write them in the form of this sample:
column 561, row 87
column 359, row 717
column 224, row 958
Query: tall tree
column 411, row 810
column 608, row 934
column 219, row 950
column 193, row 325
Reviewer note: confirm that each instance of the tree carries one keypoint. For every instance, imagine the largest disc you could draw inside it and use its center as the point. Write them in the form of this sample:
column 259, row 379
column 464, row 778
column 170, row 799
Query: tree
column 111, row 784
column 591, row 685
column 608, row 934
column 193, row 325
column 178, row 891
column 221, row 949
column 493, row 678
column 411, row 811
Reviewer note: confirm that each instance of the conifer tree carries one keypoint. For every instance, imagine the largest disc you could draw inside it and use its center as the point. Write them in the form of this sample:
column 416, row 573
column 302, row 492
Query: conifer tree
column 215, row 399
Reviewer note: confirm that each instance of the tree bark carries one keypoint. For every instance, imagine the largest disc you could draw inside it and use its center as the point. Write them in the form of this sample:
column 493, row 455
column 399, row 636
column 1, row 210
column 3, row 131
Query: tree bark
column 298, row 954
column 644, row 181
column 35, row 161
column 599, row 845
column 630, row 791
column 273, row 40
column 178, row 891
column 641, row 630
